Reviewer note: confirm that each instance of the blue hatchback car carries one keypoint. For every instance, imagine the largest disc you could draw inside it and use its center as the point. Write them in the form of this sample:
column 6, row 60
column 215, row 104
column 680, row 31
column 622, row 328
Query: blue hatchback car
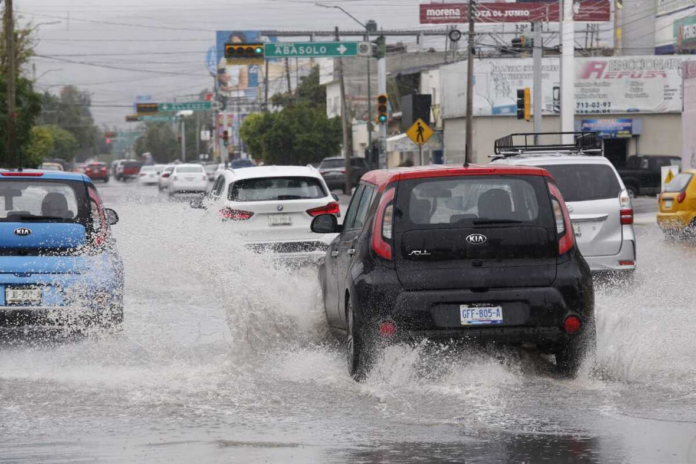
column 59, row 265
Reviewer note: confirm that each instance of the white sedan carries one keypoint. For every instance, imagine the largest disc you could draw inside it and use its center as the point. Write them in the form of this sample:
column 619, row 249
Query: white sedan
column 148, row 175
column 272, row 208
column 187, row 178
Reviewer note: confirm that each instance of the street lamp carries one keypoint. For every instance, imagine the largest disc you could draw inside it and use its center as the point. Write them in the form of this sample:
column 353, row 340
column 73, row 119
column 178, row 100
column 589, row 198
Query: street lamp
column 370, row 25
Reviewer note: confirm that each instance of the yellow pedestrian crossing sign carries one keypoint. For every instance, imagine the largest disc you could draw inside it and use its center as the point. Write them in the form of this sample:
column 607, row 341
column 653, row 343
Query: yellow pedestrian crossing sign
column 669, row 177
column 419, row 132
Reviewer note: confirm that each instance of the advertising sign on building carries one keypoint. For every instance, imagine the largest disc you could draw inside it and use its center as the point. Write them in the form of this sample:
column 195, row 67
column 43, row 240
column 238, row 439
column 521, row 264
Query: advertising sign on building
column 506, row 12
column 685, row 33
column 636, row 84
column 609, row 128
column 689, row 116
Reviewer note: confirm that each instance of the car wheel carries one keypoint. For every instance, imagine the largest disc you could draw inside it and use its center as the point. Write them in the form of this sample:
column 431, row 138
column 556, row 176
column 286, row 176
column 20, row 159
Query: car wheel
column 632, row 191
column 571, row 355
column 358, row 353
column 106, row 180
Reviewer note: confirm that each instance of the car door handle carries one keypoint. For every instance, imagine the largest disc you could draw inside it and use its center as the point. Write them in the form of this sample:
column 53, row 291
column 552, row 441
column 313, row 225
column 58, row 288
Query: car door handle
column 350, row 251
column 335, row 254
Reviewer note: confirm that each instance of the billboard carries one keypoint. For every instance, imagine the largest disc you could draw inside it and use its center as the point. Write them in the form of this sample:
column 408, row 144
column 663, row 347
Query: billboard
column 236, row 81
column 609, row 128
column 685, row 33
column 499, row 12
column 615, row 85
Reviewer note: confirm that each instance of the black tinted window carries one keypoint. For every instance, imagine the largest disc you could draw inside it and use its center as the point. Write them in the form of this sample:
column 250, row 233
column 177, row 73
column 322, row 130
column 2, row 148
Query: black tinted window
column 679, row 183
column 332, row 164
column 472, row 200
column 585, row 182
column 277, row 188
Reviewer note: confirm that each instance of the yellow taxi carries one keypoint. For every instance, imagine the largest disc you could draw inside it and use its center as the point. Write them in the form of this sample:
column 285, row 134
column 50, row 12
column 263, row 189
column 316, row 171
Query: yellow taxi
column 678, row 204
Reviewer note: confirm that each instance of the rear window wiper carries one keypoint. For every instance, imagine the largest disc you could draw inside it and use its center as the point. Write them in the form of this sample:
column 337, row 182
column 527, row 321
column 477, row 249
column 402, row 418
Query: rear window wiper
column 291, row 197
column 496, row 221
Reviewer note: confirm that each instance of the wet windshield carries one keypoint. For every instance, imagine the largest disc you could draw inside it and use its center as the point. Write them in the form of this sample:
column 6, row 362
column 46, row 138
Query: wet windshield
column 27, row 200
column 277, row 188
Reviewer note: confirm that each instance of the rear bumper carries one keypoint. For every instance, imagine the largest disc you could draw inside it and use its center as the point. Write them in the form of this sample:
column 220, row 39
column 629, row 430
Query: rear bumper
column 675, row 221
column 295, row 252
column 618, row 262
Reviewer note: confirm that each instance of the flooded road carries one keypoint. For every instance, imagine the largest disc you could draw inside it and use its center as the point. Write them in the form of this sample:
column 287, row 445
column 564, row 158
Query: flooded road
column 225, row 359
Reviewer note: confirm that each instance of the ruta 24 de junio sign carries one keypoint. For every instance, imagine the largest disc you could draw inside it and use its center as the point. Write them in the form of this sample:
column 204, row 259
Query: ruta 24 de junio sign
column 499, row 12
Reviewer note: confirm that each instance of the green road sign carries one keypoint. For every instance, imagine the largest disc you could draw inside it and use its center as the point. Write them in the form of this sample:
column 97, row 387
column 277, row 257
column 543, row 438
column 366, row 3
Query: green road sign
column 187, row 106
column 157, row 118
column 317, row 49
column 129, row 134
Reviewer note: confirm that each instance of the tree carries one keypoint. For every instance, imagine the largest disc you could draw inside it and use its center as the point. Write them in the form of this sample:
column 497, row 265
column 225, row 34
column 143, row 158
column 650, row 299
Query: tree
column 28, row 109
column 24, row 46
column 64, row 143
column 40, row 147
column 309, row 91
column 159, row 140
column 298, row 135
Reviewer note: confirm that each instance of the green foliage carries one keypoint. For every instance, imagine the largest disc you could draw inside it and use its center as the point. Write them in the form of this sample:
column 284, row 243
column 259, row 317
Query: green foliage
column 28, row 109
column 39, row 147
column 309, row 92
column 298, row 135
column 24, row 46
column 159, row 140
column 64, row 143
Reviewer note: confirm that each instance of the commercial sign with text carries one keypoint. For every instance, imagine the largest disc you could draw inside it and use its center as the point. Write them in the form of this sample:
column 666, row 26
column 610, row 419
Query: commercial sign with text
column 609, row 128
column 636, row 84
column 499, row 12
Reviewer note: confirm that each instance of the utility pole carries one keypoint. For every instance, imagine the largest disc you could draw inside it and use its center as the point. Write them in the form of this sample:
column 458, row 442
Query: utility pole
column 468, row 147
column 347, row 146
column 382, row 90
column 287, row 74
column 369, row 105
column 537, row 53
column 568, row 72
column 11, row 79
column 183, row 140
column 265, row 88
column 198, row 135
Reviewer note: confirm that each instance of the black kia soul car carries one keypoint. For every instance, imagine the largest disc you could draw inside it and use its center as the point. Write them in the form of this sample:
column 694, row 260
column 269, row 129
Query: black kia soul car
column 485, row 254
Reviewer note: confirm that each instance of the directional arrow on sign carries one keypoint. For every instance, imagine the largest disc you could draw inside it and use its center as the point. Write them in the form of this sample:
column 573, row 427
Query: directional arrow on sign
column 342, row 49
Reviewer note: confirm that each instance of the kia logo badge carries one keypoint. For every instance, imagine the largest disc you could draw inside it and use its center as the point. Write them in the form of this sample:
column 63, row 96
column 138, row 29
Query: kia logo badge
column 476, row 239
column 22, row 231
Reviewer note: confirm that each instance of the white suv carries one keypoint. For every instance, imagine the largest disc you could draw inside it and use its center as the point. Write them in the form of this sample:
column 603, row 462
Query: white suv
column 599, row 205
column 274, row 207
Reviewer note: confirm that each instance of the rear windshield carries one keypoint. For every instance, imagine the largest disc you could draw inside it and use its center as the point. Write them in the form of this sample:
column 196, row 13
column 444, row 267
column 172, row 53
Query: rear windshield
column 147, row 169
column 276, row 188
column 585, row 182
column 332, row 164
column 473, row 201
column 189, row 170
column 33, row 200
column 211, row 168
column 131, row 165
column 679, row 183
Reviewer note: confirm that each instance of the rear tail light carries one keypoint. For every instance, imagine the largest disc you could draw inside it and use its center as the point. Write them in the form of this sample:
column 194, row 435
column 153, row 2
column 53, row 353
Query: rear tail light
column 627, row 263
column 382, row 229
column 235, row 214
column 572, row 324
column 387, row 329
column 626, row 216
column 681, row 197
column 566, row 237
column 142, row 174
column 331, row 208
column 165, row 175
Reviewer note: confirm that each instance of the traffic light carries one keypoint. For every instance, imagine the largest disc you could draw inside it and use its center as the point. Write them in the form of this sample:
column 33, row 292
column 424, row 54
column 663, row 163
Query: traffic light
column 244, row 52
column 382, row 108
column 524, row 104
column 147, row 108
column 379, row 48
column 108, row 141
column 225, row 138
column 178, row 139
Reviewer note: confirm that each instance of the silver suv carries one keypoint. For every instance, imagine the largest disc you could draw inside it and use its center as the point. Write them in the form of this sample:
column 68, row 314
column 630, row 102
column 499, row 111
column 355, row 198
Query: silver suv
column 598, row 202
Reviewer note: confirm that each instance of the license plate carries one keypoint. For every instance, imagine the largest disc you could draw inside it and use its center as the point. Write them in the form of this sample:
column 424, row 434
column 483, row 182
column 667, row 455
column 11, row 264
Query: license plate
column 668, row 204
column 481, row 315
column 190, row 179
column 576, row 229
column 279, row 220
column 22, row 295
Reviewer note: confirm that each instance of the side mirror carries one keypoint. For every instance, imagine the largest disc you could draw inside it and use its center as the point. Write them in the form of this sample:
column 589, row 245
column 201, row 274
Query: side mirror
column 111, row 216
column 335, row 197
column 325, row 224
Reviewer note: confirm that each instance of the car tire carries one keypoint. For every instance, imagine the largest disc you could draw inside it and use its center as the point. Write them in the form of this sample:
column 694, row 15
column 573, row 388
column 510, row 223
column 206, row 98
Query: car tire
column 632, row 191
column 358, row 349
column 571, row 355
column 106, row 180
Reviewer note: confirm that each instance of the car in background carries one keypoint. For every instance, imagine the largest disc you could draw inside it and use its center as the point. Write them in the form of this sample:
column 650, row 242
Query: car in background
column 97, row 171
column 242, row 163
column 272, row 208
column 187, row 178
column 163, row 179
column 210, row 170
column 677, row 203
column 334, row 171
column 642, row 174
column 600, row 207
column 128, row 170
column 115, row 165
column 51, row 167
column 148, row 175
column 60, row 264
column 478, row 254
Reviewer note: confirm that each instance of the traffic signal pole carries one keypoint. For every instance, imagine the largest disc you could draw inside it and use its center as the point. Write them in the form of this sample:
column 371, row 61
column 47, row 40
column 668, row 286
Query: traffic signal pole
column 183, row 140
column 469, row 143
column 568, row 73
column 382, row 90
column 347, row 129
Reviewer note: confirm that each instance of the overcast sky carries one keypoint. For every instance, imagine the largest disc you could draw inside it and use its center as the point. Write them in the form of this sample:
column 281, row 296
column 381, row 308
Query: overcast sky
column 119, row 49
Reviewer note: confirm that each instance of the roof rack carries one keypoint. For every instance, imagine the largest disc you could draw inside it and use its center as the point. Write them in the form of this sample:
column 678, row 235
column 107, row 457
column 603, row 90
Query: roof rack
column 585, row 143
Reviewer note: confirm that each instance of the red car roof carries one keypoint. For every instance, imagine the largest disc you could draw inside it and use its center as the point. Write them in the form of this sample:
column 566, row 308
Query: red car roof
column 384, row 177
